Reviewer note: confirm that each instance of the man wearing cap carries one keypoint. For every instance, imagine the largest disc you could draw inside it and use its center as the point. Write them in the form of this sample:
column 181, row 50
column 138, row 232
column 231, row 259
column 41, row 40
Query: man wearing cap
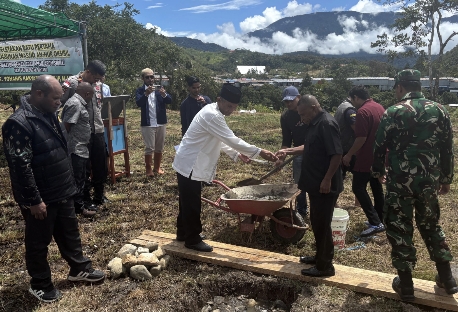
column 418, row 134
column 197, row 156
column 293, row 133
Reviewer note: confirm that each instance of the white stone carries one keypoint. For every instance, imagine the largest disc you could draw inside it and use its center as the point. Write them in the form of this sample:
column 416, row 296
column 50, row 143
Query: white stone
column 152, row 246
column 141, row 250
column 159, row 252
column 139, row 272
column 147, row 259
column 155, row 270
column 116, row 268
column 129, row 261
column 164, row 262
column 127, row 249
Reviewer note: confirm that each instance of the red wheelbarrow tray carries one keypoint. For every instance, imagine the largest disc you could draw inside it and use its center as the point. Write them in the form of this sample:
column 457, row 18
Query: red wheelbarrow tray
column 234, row 198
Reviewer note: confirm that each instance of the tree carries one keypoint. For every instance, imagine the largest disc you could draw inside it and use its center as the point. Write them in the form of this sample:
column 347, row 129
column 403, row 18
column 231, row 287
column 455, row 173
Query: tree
column 419, row 25
column 306, row 85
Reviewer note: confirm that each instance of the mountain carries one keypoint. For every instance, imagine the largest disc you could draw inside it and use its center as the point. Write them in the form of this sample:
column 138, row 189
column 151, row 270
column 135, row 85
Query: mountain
column 196, row 44
column 325, row 23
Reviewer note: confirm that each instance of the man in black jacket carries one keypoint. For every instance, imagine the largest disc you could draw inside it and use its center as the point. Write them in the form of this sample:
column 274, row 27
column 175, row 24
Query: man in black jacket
column 43, row 186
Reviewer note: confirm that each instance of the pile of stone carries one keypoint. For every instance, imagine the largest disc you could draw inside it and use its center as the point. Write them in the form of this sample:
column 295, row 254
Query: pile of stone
column 140, row 263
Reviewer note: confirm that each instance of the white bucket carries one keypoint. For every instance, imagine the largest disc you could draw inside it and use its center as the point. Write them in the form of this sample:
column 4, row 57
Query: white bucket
column 339, row 222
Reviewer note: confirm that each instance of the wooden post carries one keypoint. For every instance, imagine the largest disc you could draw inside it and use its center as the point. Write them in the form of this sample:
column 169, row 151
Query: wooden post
column 110, row 145
column 126, row 147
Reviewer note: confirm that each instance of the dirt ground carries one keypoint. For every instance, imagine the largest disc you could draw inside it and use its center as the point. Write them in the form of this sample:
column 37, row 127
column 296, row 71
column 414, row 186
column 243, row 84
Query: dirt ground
column 139, row 203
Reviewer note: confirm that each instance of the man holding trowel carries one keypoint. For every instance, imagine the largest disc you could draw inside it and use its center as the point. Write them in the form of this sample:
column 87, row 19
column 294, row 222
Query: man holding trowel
column 321, row 178
column 293, row 133
column 197, row 156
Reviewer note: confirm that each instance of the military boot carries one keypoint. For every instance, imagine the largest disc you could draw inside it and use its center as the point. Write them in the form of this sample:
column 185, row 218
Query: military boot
column 403, row 285
column 445, row 278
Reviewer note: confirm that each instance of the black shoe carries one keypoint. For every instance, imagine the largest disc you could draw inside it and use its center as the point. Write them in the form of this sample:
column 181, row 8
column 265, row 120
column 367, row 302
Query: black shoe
column 86, row 213
column 48, row 296
column 405, row 292
column 89, row 275
column 445, row 278
column 307, row 260
column 92, row 207
column 449, row 285
column 182, row 238
column 99, row 201
column 202, row 246
column 313, row 272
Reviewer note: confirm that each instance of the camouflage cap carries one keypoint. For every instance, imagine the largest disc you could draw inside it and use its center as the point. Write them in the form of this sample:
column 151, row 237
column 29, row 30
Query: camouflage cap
column 407, row 75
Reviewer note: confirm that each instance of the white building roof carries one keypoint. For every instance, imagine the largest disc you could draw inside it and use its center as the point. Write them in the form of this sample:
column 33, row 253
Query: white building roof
column 245, row 69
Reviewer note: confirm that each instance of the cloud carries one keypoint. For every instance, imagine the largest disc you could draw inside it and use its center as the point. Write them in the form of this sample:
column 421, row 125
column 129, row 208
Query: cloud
column 350, row 41
column 18, row 1
column 339, row 9
column 369, row 6
column 271, row 15
column 230, row 5
column 157, row 5
column 159, row 30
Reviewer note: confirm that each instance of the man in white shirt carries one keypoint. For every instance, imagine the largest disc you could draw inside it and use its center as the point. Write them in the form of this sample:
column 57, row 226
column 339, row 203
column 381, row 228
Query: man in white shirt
column 197, row 156
column 152, row 102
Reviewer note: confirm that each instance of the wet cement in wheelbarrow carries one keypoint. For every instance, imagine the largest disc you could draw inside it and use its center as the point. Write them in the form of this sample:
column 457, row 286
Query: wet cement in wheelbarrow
column 267, row 197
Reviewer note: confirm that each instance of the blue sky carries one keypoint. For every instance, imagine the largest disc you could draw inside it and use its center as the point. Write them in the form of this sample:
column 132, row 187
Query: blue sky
column 225, row 22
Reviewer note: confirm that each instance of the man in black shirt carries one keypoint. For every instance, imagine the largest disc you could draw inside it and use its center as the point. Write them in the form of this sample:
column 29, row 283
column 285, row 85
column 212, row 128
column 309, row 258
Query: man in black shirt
column 320, row 178
column 192, row 104
column 293, row 133
column 43, row 186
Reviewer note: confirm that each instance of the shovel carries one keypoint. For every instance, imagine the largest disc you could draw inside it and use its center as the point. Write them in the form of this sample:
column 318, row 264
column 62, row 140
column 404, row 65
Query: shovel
column 253, row 181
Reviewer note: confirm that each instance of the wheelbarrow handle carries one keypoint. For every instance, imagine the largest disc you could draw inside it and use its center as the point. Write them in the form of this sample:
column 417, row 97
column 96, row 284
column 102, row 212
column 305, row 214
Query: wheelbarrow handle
column 271, row 172
column 221, row 184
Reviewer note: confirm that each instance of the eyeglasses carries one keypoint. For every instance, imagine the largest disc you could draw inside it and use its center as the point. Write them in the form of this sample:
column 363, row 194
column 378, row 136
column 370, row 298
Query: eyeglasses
column 149, row 77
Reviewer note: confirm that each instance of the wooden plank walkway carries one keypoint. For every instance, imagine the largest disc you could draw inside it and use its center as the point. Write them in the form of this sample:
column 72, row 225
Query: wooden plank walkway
column 264, row 262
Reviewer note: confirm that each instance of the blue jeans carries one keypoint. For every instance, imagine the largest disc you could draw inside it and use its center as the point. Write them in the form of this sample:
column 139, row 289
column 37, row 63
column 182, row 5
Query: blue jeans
column 301, row 199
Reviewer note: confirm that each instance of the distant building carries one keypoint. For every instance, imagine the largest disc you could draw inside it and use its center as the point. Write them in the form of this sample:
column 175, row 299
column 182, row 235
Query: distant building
column 287, row 82
column 245, row 69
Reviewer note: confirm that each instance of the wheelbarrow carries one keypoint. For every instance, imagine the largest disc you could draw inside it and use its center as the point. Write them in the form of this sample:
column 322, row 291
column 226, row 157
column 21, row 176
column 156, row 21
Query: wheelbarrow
column 260, row 201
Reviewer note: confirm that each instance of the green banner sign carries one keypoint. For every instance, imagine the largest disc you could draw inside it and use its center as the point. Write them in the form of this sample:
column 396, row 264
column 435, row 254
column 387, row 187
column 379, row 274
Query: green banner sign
column 22, row 61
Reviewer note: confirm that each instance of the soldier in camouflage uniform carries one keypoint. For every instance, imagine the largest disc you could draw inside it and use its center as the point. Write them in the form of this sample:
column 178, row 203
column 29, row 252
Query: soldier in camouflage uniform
column 418, row 134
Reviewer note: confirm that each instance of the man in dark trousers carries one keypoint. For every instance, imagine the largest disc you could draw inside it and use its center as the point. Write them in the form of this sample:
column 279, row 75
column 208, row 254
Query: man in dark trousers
column 43, row 186
column 192, row 104
column 76, row 121
column 97, row 164
column 419, row 136
column 367, row 120
column 293, row 133
column 196, row 159
column 345, row 116
column 321, row 178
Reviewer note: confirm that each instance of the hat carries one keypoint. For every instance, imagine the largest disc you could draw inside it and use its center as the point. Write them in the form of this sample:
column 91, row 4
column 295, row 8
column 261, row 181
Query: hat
column 407, row 75
column 290, row 93
column 231, row 93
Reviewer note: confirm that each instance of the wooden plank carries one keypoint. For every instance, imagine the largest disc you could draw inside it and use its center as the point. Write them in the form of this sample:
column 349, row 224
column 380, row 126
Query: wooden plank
column 265, row 262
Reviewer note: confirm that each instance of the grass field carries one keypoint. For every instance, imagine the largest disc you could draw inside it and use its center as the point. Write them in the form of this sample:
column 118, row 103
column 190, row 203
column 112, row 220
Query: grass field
column 138, row 203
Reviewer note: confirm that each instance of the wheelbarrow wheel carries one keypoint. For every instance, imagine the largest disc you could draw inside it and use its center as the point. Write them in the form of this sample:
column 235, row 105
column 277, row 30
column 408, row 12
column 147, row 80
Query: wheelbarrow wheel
column 284, row 233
